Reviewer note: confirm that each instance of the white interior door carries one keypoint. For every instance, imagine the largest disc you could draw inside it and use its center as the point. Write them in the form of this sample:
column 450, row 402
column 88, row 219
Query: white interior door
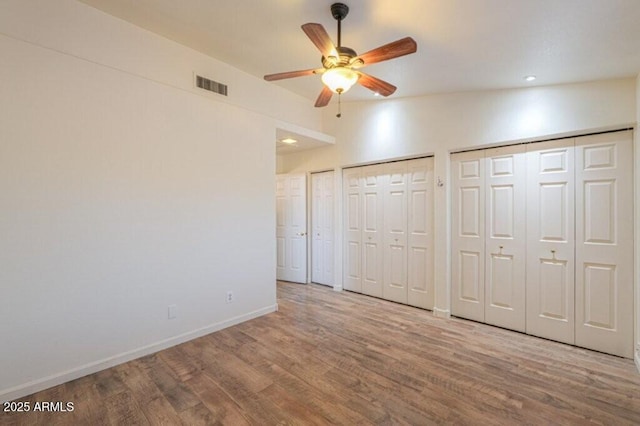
column 395, row 232
column 604, row 243
column 322, row 207
column 468, row 235
column 291, row 228
column 505, row 243
column 420, row 232
column 352, row 190
column 550, row 240
column 373, row 178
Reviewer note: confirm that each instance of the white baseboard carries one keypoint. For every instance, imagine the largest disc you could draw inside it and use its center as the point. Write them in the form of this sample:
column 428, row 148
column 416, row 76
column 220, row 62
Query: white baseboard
column 93, row 367
column 337, row 288
column 441, row 313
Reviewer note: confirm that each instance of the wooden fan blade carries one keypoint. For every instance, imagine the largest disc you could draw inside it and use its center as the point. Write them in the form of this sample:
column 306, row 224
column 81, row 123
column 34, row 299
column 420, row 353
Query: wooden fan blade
column 324, row 98
column 289, row 74
column 395, row 49
column 320, row 38
column 376, row 85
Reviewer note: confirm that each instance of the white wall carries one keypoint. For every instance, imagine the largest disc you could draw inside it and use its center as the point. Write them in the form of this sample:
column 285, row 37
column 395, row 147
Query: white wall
column 124, row 191
column 398, row 128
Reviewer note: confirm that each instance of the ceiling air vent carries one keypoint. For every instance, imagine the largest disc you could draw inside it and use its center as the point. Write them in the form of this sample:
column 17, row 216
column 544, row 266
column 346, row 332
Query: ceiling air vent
column 210, row 85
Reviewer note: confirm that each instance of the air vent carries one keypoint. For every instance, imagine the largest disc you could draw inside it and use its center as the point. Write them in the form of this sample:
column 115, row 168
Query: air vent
column 210, row 85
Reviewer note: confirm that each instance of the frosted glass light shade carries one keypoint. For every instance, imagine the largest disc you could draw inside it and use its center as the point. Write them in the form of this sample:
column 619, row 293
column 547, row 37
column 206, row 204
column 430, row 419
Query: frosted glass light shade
column 339, row 79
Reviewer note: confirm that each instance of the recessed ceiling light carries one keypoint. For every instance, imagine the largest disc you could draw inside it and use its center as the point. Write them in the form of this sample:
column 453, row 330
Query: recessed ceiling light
column 529, row 77
column 376, row 94
column 288, row 141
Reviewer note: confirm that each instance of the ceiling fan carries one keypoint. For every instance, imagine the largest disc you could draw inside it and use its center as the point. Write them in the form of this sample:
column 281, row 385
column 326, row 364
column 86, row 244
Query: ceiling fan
column 341, row 64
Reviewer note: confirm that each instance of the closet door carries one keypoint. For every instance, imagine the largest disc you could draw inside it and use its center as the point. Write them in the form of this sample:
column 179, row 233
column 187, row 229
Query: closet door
column 420, row 232
column 373, row 182
column 550, row 240
column 505, row 243
column 467, row 239
column 353, row 194
column 604, row 243
column 395, row 232
column 322, row 206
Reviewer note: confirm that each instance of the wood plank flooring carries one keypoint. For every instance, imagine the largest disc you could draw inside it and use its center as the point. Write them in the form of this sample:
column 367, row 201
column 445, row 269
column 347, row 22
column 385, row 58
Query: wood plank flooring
column 342, row 358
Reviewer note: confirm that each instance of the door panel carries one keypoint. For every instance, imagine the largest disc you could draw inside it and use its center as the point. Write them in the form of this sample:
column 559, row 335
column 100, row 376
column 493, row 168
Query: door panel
column 328, row 230
column 372, row 235
column 420, row 232
column 505, row 243
column 316, row 227
column 470, row 272
column 352, row 188
column 555, row 290
column 291, row 223
column 467, row 239
column 322, row 228
column 604, row 243
column 395, row 232
column 550, row 240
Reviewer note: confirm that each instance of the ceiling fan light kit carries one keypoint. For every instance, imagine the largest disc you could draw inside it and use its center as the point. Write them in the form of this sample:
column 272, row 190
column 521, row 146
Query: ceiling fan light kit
column 339, row 79
column 340, row 64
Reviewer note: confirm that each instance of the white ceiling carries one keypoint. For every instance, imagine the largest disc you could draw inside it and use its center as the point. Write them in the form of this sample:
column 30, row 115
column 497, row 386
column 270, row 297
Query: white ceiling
column 462, row 44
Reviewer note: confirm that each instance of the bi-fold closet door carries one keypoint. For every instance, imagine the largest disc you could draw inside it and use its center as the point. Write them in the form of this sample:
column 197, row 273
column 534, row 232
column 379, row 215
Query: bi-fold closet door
column 551, row 240
column 488, row 238
column 388, row 224
column 575, row 284
column 580, row 242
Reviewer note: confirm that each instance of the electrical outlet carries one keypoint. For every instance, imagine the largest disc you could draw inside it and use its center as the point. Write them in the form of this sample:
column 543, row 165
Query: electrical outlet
column 172, row 311
column 229, row 296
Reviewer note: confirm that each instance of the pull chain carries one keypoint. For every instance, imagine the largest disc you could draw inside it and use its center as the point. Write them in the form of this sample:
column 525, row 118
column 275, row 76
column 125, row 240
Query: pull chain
column 339, row 114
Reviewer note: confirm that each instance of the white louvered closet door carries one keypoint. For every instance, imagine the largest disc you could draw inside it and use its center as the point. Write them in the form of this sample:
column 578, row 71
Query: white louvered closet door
column 604, row 243
column 550, row 240
column 352, row 222
column 505, row 242
column 468, row 235
column 420, row 233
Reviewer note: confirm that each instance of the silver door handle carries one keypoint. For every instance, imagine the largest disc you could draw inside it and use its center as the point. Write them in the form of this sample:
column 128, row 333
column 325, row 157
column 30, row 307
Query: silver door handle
column 301, row 234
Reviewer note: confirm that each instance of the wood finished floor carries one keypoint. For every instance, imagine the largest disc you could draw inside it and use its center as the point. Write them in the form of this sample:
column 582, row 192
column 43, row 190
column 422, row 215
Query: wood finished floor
column 343, row 358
